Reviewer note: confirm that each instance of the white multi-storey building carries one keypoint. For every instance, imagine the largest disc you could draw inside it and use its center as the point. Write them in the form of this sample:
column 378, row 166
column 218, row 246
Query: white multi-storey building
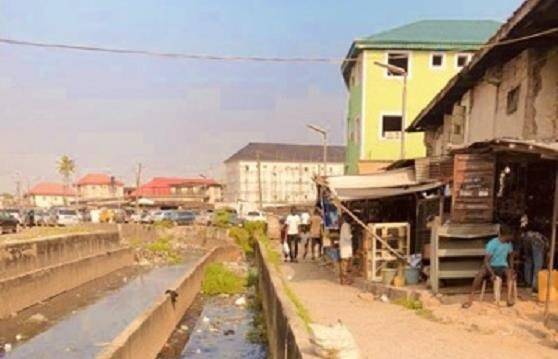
column 286, row 172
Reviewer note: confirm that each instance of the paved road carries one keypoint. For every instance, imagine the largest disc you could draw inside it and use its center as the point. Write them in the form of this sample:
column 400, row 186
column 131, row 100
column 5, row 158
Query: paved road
column 391, row 331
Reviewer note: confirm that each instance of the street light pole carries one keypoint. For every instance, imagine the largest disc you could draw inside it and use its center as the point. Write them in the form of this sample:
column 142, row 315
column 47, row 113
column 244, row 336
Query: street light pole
column 400, row 71
column 323, row 133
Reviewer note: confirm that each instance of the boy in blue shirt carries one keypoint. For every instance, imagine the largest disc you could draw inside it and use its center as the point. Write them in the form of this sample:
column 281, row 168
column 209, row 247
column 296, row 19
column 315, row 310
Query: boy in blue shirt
column 497, row 263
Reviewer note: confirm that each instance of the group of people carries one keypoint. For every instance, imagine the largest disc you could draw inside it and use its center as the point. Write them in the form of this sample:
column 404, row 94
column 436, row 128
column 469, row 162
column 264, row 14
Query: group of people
column 302, row 228
column 307, row 230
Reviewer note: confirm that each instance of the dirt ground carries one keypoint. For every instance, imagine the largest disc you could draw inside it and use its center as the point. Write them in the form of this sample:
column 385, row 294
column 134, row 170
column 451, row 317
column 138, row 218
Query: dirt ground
column 385, row 330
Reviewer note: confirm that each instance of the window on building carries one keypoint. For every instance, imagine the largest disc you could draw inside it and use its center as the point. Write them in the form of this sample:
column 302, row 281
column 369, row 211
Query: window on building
column 391, row 126
column 247, row 168
column 512, row 100
column 437, row 60
column 462, row 60
column 400, row 60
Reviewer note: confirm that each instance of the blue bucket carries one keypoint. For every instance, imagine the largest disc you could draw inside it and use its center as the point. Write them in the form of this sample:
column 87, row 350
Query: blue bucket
column 412, row 275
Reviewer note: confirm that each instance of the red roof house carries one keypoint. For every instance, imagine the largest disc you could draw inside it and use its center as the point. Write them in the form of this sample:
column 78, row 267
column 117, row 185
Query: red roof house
column 161, row 186
column 98, row 179
column 51, row 189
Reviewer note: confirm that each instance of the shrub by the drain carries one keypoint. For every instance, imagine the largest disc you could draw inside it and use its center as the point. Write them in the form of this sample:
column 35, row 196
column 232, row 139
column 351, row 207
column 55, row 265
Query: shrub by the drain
column 220, row 280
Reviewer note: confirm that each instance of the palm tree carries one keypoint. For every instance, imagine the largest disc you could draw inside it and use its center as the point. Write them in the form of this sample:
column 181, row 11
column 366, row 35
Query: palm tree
column 66, row 167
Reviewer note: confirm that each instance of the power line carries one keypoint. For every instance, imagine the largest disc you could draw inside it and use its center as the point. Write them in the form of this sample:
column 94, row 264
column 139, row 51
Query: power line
column 234, row 58
column 187, row 56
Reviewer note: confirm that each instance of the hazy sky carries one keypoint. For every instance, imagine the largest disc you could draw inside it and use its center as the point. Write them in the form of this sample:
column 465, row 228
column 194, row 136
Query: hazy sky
column 180, row 117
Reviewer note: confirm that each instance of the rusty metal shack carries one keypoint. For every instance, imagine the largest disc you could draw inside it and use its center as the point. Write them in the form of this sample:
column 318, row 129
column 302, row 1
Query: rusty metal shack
column 495, row 182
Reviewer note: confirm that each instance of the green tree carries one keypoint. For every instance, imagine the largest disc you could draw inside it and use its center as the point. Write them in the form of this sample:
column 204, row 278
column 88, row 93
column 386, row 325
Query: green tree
column 66, row 168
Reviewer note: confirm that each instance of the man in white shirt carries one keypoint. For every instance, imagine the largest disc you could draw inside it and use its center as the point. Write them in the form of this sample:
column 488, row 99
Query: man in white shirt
column 345, row 250
column 293, row 223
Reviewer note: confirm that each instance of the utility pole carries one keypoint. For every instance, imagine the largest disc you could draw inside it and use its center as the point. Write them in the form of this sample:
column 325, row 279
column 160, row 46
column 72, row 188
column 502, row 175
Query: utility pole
column 138, row 182
column 260, row 196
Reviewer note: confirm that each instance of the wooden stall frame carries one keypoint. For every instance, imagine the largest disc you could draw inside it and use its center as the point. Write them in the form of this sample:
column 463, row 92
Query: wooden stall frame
column 379, row 260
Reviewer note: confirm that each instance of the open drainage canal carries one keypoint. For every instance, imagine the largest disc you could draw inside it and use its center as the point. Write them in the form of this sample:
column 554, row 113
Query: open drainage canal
column 219, row 326
column 84, row 333
column 222, row 332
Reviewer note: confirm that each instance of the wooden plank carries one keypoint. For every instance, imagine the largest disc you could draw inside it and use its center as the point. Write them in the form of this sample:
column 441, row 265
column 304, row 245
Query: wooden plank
column 473, row 190
column 467, row 252
column 457, row 274
column 434, row 260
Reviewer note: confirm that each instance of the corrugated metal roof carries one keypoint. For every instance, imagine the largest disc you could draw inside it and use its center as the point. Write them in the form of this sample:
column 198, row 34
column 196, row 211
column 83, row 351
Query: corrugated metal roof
column 378, row 185
column 98, row 179
column 434, row 34
column 51, row 189
column 457, row 35
column 282, row 152
column 161, row 186
column 546, row 148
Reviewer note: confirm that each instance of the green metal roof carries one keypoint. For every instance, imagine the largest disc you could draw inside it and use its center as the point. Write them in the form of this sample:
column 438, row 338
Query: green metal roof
column 434, row 34
column 456, row 35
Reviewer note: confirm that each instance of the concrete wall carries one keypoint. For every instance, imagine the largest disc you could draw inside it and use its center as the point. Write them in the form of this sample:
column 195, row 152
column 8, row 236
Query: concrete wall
column 534, row 72
column 18, row 257
column 145, row 337
column 287, row 335
column 17, row 293
column 47, row 201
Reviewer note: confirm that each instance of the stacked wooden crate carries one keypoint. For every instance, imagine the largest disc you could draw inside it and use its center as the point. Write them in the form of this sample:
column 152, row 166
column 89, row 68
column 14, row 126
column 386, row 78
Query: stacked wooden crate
column 397, row 235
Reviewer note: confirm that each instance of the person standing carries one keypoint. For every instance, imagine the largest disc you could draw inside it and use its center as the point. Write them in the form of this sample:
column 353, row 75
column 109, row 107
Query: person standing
column 534, row 245
column 293, row 231
column 316, row 234
column 345, row 250
column 305, row 231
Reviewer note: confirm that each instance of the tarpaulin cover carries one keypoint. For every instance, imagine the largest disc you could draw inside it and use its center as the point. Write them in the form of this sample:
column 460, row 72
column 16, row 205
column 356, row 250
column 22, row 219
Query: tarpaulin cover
column 378, row 185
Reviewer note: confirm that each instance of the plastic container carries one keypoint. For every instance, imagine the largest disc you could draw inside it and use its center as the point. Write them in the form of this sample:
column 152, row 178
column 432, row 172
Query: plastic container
column 388, row 274
column 399, row 281
column 412, row 275
column 543, row 280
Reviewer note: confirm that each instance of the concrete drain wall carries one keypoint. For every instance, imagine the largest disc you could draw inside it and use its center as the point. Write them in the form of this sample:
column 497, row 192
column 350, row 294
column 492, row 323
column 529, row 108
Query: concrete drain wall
column 21, row 256
column 146, row 335
column 20, row 292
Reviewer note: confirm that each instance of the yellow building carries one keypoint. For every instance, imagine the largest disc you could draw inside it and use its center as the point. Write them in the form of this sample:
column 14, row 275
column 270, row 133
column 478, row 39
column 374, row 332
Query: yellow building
column 431, row 52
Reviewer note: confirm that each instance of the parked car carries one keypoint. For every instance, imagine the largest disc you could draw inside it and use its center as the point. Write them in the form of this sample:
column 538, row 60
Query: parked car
column 204, row 218
column 16, row 213
column 8, row 224
column 146, row 218
column 181, row 218
column 163, row 215
column 63, row 217
column 41, row 217
column 225, row 216
column 120, row 216
column 84, row 215
column 255, row 216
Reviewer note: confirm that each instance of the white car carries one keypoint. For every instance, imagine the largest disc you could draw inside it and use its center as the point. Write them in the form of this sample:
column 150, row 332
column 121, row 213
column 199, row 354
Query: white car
column 65, row 217
column 159, row 216
column 255, row 216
